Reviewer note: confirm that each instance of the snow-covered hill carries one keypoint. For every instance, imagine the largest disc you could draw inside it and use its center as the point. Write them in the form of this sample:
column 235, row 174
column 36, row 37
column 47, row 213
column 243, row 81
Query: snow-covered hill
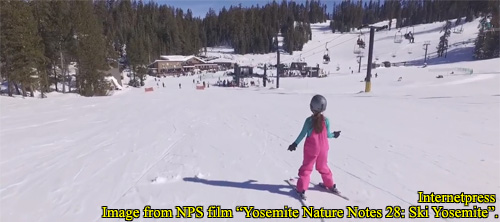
column 64, row 157
column 341, row 47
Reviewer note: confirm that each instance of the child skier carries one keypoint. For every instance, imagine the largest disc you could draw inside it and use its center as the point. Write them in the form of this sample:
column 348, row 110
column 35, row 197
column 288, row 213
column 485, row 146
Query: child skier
column 316, row 146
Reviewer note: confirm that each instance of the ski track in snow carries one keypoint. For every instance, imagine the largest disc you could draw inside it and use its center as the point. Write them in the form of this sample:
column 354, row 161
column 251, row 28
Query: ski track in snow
column 66, row 156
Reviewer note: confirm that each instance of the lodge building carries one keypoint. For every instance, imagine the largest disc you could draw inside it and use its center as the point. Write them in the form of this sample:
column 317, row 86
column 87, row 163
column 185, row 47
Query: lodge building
column 176, row 64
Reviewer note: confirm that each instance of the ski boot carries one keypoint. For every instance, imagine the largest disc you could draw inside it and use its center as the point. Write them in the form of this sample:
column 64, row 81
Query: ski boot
column 331, row 189
column 334, row 189
column 302, row 194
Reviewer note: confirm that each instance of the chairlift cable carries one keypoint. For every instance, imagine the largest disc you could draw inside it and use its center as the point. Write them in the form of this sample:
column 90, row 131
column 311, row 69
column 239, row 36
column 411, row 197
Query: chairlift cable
column 286, row 60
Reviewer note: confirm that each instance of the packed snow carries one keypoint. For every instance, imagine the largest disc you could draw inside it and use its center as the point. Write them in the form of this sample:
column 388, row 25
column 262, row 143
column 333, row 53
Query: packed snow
column 64, row 157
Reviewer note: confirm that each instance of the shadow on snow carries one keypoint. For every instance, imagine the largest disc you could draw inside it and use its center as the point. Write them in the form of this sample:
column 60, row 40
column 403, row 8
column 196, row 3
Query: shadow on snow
column 250, row 184
column 459, row 54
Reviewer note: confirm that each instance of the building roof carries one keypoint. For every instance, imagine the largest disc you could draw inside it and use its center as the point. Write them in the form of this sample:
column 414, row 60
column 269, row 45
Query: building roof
column 220, row 60
column 179, row 58
column 206, row 64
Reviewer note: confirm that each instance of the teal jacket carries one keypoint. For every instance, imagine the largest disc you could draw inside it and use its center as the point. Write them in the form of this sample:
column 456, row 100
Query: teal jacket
column 307, row 129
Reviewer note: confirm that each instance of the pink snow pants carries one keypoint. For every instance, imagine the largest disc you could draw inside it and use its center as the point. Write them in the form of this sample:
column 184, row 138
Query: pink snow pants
column 315, row 152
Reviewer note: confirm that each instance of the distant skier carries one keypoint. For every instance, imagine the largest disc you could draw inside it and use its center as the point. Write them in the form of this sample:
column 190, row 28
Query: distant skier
column 163, row 84
column 180, row 86
column 316, row 146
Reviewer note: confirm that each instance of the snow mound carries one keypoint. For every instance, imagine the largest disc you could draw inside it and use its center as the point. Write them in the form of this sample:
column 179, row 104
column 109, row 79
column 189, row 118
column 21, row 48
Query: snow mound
column 113, row 80
column 167, row 179
column 199, row 176
column 159, row 180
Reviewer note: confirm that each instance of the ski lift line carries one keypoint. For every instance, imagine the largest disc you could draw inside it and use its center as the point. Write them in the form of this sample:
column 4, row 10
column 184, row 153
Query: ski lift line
column 319, row 46
column 461, row 39
column 286, row 60
column 433, row 53
column 329, row 47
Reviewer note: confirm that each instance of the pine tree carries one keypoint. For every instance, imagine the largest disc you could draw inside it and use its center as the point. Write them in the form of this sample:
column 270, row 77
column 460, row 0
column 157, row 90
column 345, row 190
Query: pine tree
column 90, row 51
column 103, row 11
column 54, row 23
column 22, row 48
column 443, row 40
column 491, row 44
column 137, row 57
column 487, row 42
column 479, row 45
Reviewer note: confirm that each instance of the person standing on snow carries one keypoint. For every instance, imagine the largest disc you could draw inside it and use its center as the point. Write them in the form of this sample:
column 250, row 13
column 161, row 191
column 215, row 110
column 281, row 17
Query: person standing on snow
column 316, row 146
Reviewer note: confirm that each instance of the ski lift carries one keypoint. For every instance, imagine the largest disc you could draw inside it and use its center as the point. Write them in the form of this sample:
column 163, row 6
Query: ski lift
column 487, row 24
column 412, row 30
column 357, row 49
column 409, row 35
column 326, row 57
column 360, row 44
column 398, row 37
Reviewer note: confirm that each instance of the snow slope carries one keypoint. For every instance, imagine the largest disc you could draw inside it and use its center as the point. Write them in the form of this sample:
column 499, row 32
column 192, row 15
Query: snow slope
column 66, row 156
column 341, row 47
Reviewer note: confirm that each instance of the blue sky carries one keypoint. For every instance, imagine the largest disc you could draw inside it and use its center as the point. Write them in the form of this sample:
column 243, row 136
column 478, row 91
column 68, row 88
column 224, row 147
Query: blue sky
column 200, row 7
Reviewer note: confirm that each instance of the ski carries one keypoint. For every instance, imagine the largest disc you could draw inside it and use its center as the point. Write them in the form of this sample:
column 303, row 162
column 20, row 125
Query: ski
column 323, row 187
column 335, row 193
column 302, row 201
column 299, row 197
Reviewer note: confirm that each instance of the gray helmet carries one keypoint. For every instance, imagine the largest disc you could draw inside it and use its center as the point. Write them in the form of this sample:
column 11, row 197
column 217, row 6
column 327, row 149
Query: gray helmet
column 318, row 104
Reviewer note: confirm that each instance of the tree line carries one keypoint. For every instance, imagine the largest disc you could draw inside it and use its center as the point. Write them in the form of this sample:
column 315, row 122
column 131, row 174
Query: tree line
column 350, row 15
column 39, row 39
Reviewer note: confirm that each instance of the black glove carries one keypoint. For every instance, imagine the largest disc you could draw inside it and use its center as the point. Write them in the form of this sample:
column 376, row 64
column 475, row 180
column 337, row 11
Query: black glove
column 292, row 146
column 336, row 134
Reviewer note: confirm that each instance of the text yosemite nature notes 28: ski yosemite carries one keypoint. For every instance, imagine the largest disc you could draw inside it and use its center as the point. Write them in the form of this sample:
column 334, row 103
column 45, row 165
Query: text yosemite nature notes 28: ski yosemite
column 415, row 211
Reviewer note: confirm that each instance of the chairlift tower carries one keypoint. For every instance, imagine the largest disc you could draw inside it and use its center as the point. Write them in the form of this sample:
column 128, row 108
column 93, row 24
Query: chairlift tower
column 426, row 45
column 368, row 85
column 359, row 56
column 279, row 46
